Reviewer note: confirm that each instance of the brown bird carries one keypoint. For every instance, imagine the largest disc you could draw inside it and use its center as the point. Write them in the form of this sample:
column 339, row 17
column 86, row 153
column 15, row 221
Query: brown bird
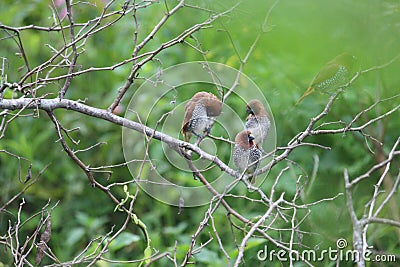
column 246, row 152
column 200, row 113
column 257, row 121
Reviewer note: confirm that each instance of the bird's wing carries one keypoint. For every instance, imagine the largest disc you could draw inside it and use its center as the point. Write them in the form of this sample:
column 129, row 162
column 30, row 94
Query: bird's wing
column 188, row 111
column 326, row 73
column 189, row 108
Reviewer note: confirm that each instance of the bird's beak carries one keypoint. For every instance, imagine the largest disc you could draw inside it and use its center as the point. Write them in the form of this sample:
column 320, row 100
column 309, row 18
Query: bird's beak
column 248, row 111
column 251, row 137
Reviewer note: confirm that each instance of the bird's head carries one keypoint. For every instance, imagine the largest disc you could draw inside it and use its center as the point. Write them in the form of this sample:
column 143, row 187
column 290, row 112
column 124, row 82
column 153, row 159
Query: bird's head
column 245, row 139
column 347, row 60
column 255, row 107
column 212, row 104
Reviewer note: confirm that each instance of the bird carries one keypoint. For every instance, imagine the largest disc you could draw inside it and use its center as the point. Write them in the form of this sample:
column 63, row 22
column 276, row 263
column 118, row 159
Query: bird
column 200, row 113
column 257, row 121
column 246, row 152
column 333, row 75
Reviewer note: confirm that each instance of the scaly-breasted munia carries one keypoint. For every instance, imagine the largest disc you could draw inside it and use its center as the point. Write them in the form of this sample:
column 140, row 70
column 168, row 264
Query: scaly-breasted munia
column 245, row 152
column 200, row 113
column 333, row 75
column 257, row 121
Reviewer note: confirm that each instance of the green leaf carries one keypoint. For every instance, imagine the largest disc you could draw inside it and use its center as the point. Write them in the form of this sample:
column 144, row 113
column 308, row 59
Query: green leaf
column 251, row 244
column 207, row 256
column 75, row 235
column 175, row 229
column 123, row 240
column 147, row 254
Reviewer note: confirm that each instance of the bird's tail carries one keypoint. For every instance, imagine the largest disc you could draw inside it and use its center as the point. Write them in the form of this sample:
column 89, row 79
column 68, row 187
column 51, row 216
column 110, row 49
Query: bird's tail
column 186, row 152
column 186, row 133
column 308, row 91
column 187, row 136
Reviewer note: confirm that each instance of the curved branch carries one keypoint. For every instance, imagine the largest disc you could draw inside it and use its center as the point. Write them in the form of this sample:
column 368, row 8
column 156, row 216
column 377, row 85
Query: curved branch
column 50, row 105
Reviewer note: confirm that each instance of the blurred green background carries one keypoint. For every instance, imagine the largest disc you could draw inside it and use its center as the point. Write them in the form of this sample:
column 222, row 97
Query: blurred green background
column 301, row 37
